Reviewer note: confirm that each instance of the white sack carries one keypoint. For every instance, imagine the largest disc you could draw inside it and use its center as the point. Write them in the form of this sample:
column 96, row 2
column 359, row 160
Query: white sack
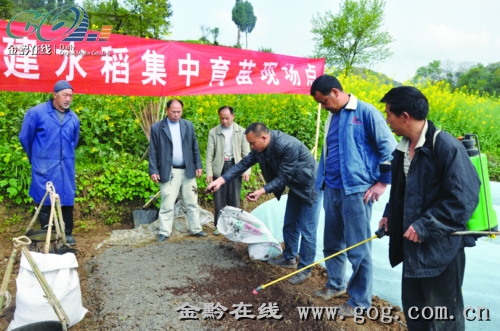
column 60, row 273
column 239, row 226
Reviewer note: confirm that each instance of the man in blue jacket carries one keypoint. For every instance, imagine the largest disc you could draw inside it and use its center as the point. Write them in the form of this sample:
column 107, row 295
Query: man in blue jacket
column 175, row 162
column 434, row 192
column 284, row 161
column 354, row 171
column 49, row 136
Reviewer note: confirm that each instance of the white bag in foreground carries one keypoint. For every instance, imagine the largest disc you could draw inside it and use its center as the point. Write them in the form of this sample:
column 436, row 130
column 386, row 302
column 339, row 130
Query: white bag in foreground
column 239, row 226
column 60, row 273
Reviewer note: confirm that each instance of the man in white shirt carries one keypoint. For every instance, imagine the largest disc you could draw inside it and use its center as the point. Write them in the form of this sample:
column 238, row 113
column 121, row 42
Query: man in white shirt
column 175, row 162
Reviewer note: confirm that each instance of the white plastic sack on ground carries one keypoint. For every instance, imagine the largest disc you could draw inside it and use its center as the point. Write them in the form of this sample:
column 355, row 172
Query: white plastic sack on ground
column 147, row 232
column 60, row 273
column 239, row 226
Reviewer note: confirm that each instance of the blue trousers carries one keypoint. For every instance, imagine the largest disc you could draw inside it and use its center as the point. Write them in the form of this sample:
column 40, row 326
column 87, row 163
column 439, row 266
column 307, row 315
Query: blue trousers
column 347, row 222
column 301, row 223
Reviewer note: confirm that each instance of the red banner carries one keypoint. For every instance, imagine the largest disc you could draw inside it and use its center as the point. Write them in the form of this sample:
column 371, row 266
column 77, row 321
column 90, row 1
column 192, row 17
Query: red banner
column 124, row 65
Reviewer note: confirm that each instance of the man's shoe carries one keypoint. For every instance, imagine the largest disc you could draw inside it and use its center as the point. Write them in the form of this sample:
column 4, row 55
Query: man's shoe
column 70, row 240
column 346, row 310
column 216, row 232
column 300, row 277
column 284, row 263
column 161, row 238
column 200, row 234
column 329, row 293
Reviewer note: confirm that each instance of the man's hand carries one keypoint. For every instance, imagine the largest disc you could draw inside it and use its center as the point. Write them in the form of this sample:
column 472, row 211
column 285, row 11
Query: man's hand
column 412, row 235
column 246, row 177
column 383, row 223
column 199, row 172
column 375, row 192
column 155, row 178
column 209, row 179
column 255, row 195
column 215, row 185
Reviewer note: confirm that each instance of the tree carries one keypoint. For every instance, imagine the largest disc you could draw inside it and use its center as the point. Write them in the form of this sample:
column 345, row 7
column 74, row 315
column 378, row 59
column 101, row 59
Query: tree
column 482, row 79
column 51, row 5
column 244, row 18
column 142, row 18
column 6, row 9
column 476, row 78
column 266, row 50
column 205, row 31
column 56, row 8
column 215, row 34
column 239, row 18
column 38, row 5
column 21, row 5
column 353, row 36
column 251, row 19
column 447, row 71
column 432, row 72
column 9, row 8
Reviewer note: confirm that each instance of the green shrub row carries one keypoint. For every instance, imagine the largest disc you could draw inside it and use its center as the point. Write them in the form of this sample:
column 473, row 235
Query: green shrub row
column 109, row 166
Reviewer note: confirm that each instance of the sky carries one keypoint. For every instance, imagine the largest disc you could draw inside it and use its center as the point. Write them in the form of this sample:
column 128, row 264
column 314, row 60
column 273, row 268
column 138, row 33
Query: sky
column 453, row 31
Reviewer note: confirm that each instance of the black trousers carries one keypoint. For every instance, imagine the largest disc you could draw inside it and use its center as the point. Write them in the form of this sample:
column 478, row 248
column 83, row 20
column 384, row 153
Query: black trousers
column 444, row 290
column 67, row 214
column 228, row 194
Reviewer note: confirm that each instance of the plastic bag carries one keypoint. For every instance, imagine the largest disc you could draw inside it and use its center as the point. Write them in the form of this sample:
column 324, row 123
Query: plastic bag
column 239, row 226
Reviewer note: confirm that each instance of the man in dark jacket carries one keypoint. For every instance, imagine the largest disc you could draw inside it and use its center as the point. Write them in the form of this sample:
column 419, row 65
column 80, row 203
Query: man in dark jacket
column 284, row 161
column 49, row 136
column 435, row 190
column 175, row 162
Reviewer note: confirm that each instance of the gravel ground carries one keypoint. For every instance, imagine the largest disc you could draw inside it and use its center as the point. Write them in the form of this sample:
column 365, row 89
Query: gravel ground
column 139, row 288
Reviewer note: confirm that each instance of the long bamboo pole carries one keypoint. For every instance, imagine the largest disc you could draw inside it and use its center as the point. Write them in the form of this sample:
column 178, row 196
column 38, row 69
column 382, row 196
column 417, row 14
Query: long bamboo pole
column 6, row 279
column 60, row 226
column 49, row 295
column 49, row 227
column 318, row 121
column 32, row 223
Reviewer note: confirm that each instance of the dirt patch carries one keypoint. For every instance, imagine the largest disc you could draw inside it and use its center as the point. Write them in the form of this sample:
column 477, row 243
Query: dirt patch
column 215, row 270
column 127, row 295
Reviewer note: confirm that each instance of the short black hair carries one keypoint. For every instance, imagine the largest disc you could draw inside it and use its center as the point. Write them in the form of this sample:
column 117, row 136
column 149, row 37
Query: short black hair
column 169, row 102
column 407, row 99
column 324, row 85
column 226, row 107
column 257, row 128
